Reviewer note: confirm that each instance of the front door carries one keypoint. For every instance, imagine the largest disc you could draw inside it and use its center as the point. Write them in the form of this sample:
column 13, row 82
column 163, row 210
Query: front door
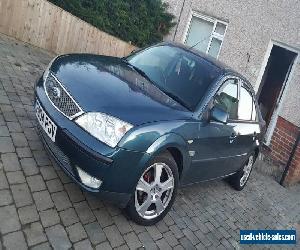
column 215, row 147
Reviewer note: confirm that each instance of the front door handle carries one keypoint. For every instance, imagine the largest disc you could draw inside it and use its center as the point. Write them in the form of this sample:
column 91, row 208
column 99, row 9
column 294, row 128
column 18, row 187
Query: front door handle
column 232, row 137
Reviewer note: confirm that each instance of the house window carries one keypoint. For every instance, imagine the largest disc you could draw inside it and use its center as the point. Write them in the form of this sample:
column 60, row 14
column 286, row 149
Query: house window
column 206, row 34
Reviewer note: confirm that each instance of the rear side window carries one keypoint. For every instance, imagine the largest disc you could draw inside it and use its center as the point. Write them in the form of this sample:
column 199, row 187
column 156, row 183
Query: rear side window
column 227, row 98
column 245, row 105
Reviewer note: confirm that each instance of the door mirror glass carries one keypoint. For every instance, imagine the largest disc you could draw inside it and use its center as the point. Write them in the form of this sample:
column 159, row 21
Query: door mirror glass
column 219, row 115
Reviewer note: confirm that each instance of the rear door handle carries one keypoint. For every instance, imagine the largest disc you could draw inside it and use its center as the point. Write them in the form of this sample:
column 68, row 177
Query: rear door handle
column 232, row 137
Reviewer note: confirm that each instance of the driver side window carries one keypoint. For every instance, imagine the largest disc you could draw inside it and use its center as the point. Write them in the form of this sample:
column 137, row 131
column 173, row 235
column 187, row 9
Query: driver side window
column 227, row 98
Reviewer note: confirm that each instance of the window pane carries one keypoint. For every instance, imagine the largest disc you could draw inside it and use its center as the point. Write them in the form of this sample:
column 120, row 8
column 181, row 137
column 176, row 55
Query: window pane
column 214, row 47
column 199, row 32
column 227, row 99
column 231, row 88
column 245, row 106
column 220, row 28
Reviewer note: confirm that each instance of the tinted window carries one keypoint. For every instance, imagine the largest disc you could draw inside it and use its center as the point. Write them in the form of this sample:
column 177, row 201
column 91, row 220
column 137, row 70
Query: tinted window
column 245, row 105
column 177, row 72
column 227, row 98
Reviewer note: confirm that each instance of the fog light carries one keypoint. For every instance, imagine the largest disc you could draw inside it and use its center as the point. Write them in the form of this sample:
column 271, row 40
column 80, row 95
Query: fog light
column 88, row 180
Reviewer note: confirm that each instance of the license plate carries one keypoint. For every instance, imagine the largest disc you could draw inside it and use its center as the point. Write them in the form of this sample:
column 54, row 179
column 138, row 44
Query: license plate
column 48, row 126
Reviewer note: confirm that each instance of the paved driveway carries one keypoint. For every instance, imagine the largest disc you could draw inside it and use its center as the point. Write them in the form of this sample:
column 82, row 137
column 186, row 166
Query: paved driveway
column 41, row 208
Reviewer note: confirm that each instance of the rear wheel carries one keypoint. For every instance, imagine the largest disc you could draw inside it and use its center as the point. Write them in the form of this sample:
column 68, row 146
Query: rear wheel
column 239, row 179
column 155, row 191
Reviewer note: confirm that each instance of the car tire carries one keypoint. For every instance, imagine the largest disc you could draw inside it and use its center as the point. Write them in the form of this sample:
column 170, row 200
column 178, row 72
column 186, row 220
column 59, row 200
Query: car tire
column 239, row 179
column 154, row 195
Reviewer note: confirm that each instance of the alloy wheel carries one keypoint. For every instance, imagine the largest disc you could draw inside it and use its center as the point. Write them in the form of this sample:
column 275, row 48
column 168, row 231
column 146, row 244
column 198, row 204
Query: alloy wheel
column 247, row 170
column 154, row 191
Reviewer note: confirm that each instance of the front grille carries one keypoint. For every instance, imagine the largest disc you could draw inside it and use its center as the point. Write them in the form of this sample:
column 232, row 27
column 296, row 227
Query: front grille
column 60, row 98
column 56, row 151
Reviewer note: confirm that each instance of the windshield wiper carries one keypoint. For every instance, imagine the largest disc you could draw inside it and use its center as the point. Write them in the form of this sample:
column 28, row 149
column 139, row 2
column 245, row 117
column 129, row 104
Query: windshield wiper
column 175, row 98
column 141, row 72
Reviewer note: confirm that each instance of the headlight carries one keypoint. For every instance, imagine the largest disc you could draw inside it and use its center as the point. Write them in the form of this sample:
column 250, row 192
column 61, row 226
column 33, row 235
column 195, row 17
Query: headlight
column 105, row 128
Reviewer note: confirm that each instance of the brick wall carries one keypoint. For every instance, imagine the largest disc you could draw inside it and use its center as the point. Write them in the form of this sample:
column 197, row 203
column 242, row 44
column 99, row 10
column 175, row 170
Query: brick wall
column 294, row 170
column 282, row 143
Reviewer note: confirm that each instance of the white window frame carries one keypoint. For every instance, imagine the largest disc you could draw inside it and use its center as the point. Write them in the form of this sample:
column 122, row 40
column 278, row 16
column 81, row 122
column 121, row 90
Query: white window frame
column 212, row 35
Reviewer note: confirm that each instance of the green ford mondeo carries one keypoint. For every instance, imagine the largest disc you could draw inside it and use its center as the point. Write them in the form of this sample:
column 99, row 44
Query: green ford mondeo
column 135, row 129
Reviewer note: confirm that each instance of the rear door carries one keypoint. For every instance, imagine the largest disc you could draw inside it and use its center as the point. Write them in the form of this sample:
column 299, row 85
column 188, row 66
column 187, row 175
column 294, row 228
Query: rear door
column 247, row 127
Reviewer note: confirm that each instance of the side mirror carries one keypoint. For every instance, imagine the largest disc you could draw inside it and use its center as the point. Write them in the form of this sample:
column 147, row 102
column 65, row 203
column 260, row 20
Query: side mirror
column 219, row 115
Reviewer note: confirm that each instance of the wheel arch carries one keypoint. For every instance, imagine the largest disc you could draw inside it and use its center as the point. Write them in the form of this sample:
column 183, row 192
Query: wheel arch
column 176, row 146
column 178, row 157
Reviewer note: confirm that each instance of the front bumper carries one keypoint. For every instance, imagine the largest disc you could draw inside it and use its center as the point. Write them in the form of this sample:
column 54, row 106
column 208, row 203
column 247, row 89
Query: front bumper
column 117, row 168
column 64, row 162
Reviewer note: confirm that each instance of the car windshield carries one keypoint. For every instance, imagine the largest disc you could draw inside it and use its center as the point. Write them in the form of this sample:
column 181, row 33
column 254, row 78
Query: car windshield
column 179, row 73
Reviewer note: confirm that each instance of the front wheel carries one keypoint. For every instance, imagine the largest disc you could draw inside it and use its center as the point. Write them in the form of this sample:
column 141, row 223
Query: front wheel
column 239, row 179
column 155, row 191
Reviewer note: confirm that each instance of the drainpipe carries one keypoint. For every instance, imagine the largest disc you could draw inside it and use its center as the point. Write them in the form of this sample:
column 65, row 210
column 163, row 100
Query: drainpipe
column 289, row 162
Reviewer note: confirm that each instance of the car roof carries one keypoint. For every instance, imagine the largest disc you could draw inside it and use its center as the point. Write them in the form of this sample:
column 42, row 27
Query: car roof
column 225, row 68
